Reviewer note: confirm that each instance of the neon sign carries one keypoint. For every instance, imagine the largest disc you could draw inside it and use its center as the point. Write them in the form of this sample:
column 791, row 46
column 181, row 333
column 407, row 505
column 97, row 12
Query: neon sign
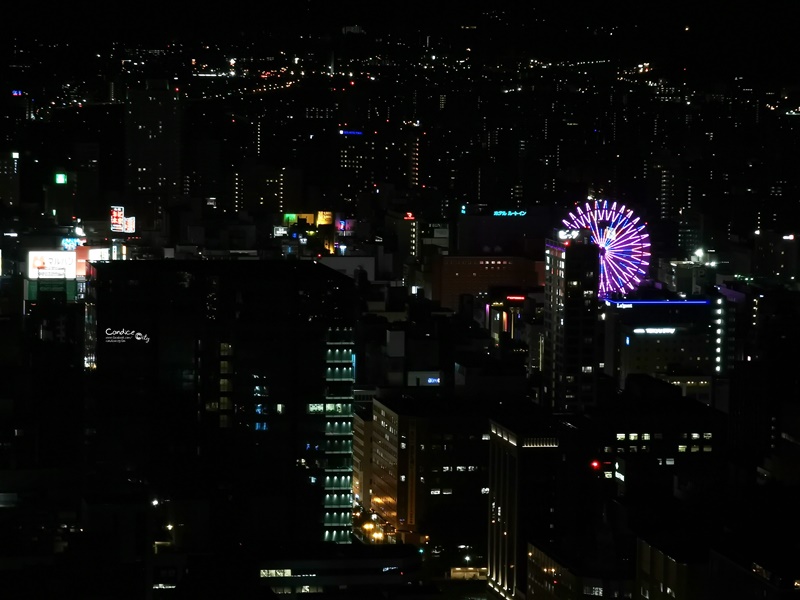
column 510, row 213
column 517, row 298
column 117, row 218
column 120, row 223
column 409, row 217
column 630, row 303
column 69, row 243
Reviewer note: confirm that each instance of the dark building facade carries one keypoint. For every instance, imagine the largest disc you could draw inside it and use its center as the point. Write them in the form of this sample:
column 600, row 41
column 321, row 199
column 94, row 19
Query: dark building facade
column 571, row 332
column 227, row 387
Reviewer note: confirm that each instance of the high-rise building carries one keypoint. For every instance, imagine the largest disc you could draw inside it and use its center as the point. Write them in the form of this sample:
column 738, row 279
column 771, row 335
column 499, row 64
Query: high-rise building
column 228, row 386
column 665, row 336
column 152, row 147
column 9, row 179
column 572, row 337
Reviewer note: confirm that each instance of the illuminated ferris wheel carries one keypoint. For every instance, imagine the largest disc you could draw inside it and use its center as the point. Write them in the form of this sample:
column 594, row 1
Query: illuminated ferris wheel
column 624, row 244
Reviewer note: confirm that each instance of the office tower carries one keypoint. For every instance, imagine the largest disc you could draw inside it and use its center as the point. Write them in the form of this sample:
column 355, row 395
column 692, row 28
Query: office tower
column 152, row 147
column 572, row 339
column 422, row 469
column 775, row 255
column 227, row 386
column 545, row 487
column 9, row 180
column 453, row 276
column 667, row 336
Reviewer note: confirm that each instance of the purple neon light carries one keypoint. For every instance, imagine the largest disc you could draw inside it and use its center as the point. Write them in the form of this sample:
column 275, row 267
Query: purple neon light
column 624, row 244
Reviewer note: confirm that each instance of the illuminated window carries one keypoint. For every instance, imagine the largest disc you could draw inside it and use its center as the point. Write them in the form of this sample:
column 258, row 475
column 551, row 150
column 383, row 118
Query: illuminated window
column 225, row 403
column 633, row 436
column 279, row 408
column 316, row 408
column 435, row 492
column 681, row 448
column 225, row 385
column 224, row 367
column 225, row 349
column 620, row 436
column 276, row 572
column 645, row 437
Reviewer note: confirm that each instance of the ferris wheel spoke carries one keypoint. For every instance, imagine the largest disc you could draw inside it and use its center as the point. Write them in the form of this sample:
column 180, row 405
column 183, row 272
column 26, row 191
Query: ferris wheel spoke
column 617, row 230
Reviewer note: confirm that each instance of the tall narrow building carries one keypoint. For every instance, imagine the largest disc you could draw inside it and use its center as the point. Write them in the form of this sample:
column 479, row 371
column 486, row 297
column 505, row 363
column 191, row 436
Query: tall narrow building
column 571, row 331
column 152, row 148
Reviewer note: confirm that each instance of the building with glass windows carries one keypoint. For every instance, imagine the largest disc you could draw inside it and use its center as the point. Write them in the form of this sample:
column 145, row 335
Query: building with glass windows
column 572, row 339
column 228, row 387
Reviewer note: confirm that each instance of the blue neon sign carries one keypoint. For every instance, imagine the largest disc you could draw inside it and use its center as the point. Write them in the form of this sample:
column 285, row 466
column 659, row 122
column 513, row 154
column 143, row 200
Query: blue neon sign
column 630, row 303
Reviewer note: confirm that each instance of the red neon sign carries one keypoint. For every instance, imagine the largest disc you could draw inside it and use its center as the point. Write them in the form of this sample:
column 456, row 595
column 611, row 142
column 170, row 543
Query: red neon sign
column 515, row 298
column 409, row 217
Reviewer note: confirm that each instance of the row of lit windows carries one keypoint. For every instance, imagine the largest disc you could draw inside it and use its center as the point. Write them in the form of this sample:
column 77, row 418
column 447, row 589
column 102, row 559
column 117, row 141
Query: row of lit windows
column 657, row 436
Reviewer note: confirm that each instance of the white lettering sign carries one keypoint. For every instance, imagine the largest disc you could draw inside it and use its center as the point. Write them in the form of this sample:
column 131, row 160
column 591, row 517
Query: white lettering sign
column 120, row 336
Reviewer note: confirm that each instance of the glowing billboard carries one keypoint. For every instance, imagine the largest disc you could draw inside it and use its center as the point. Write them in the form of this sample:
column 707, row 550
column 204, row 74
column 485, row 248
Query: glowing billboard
column 120, row 223
column 99, row 254
column 117, row 218
column 48, row 264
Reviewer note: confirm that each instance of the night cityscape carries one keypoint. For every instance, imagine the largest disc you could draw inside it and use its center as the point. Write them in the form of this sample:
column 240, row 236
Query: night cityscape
column 457, row 301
